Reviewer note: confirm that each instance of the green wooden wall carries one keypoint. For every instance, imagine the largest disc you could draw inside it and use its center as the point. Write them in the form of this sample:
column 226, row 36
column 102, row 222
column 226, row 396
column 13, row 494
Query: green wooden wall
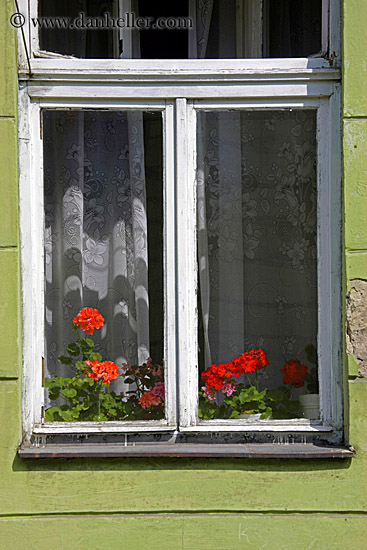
column 191, row 504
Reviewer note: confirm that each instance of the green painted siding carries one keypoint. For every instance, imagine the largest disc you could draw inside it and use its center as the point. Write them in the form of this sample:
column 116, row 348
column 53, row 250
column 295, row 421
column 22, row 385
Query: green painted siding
column 191, row 504
column 198, row 532
column 355, row 179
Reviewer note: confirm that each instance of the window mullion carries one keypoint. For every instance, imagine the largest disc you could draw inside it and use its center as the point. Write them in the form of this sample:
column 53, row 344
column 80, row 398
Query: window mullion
column 253, row 29
column 170, row 330
column 186, row 263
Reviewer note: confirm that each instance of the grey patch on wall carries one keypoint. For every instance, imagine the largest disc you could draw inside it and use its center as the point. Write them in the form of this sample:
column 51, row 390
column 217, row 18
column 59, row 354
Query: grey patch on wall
column 357, row 323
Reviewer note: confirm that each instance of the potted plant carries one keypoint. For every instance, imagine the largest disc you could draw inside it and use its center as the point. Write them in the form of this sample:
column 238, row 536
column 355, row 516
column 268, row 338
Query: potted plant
column 224, row 396
column 86, row 395
column 299, row 375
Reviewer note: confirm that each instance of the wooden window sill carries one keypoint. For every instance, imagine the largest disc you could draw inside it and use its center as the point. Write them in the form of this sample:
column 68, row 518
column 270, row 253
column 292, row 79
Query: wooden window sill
column 260, row 451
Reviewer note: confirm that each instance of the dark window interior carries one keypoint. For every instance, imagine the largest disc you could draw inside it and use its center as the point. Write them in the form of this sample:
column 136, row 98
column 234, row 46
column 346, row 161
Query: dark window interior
column 292, row 28
column 87, row 43
column 164, row 44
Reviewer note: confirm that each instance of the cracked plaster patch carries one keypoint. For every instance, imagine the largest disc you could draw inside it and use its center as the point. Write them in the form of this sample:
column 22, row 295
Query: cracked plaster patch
column 357, row 323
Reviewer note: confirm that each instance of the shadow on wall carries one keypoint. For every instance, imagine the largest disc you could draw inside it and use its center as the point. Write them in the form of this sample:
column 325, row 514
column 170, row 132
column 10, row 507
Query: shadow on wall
column 207, row 464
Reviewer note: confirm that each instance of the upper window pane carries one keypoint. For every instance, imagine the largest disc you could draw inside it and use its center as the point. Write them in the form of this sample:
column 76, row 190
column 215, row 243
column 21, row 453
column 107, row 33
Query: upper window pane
column 103, row 201
column 61, row 32
column 186, row 29
column 292, row 28
column 257, row 256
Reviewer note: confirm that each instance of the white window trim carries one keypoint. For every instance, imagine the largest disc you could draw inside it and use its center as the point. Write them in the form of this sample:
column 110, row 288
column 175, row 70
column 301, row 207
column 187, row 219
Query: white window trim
column 187, row 85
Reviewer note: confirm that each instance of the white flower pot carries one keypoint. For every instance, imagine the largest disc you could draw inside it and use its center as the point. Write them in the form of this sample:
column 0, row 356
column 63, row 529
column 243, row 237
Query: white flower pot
column 310, row 404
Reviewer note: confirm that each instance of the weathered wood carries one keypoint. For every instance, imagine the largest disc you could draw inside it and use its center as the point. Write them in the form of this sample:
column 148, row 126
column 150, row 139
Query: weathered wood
column 300, row 451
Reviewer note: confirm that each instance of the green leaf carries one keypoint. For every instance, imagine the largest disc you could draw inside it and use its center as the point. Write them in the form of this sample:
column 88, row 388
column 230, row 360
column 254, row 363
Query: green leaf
column 84, row 406
column 266, row 413
column 53, row 394
column 71, row 392
column 79, row 383
column 99, row 417
column 65, row 360
column 67, row 415
column 73, row 349
column 53, row 414
column 128, row 381
column 278, row 394
column 56, row 382
column 94, row 356
column 87, row 345
column 245, row 397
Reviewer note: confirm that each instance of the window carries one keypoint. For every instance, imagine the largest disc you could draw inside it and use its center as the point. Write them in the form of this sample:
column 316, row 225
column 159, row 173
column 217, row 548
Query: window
column 193, row 200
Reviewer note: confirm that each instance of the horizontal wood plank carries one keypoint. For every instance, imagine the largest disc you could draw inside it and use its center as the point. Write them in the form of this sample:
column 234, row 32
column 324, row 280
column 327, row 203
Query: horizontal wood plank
column 283, row 451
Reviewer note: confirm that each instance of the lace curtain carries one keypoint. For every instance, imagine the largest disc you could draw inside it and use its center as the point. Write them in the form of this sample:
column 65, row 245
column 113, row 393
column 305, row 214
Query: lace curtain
column 257, row 249
column 96, row 237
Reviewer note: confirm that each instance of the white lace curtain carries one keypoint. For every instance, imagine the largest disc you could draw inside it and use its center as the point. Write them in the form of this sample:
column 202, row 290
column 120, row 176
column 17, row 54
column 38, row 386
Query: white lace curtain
column 96, row 252
column 257, row 240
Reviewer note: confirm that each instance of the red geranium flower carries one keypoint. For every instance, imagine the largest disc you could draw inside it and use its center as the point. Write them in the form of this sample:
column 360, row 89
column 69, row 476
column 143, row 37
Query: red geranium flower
column 294, row 372
column 149, row 399
column 88, row 319
column 249, row 361
column 216, row 376
column 105, row 369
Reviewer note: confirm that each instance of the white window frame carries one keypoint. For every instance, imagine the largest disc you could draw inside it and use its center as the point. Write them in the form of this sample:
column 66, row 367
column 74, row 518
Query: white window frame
column 328, row 246
column 179, row 89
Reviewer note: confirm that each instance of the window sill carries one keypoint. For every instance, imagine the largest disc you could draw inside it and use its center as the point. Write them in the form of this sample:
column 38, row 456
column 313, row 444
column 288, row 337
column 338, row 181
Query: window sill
column 258, row 451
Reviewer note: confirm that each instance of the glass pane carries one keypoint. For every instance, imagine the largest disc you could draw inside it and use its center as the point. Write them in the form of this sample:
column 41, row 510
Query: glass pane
column 257, row 258
column 103, row 196
column 165, row 43
column 79, row 28
column 294, row 28
column 185, row 29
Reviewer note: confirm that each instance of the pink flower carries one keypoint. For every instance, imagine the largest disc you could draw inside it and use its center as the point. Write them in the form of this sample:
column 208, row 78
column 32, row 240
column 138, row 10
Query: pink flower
column 228, row 389
column 208, row 393
column 159, row 390
column 157, row 371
